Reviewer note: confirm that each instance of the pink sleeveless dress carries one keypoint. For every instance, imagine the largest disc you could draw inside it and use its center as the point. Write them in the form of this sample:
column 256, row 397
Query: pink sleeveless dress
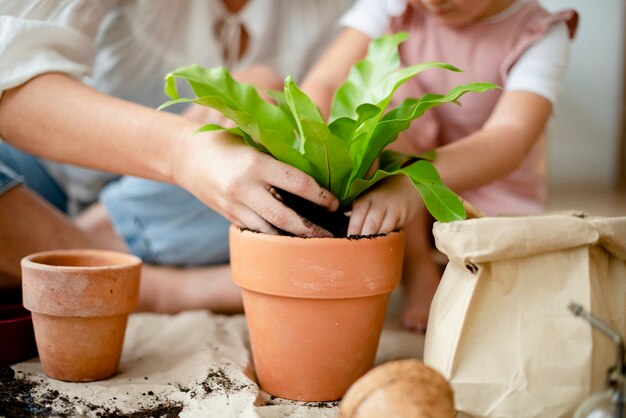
column 485, row 51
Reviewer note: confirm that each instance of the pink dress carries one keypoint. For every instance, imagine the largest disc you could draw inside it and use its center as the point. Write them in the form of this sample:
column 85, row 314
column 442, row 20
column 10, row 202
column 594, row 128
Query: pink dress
column 486, row 51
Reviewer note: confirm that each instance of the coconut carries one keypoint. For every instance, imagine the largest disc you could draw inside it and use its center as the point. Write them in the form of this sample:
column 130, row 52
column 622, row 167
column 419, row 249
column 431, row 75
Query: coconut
column 399, row 389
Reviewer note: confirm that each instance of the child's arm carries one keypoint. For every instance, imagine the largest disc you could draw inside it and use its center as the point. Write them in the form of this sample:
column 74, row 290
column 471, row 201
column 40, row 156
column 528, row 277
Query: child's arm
column 497, row 149
column 333, row 67
column 494, row 151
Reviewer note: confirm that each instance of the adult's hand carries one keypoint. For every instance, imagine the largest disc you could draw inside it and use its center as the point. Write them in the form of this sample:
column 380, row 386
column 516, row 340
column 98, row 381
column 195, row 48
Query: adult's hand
column 237, row 181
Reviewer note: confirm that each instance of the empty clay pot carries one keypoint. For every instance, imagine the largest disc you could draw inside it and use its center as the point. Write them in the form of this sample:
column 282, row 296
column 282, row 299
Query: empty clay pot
column 80, row 301
column 315, row 307
column 399, row 389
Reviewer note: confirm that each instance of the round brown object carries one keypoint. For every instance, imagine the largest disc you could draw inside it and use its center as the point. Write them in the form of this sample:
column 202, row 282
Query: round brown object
column 399, row 389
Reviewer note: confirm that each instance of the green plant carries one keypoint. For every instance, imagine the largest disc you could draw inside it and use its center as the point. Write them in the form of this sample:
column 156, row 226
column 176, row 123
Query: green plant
column 339, row 152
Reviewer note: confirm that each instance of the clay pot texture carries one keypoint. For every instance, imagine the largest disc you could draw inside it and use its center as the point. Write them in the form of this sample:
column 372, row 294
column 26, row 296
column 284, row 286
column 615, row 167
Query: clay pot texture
column 80, row 301
column 315, row 307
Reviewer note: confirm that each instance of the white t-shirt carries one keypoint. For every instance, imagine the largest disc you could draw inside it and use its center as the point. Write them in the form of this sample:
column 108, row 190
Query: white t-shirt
column 125, row 48
column 539, row 70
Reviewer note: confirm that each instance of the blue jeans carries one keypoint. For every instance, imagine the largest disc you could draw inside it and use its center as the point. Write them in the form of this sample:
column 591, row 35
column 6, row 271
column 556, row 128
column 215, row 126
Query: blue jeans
column 164, row 224
column 18, row 167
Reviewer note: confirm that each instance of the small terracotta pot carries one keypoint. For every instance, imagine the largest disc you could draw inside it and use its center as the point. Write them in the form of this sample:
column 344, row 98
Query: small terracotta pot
column 315, row 307
column 80, row 301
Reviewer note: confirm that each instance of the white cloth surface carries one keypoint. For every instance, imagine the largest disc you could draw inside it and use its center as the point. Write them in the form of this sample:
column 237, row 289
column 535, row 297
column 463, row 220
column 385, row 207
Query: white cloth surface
column 540, row 69
column 197, row 361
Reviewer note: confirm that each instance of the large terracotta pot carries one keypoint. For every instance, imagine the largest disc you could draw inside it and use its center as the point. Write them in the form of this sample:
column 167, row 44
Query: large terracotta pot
column 80, row 301
column 315, row 307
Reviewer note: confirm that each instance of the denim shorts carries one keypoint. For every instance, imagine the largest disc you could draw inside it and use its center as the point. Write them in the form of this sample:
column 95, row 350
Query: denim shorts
column 20, row 168
column 164, row 224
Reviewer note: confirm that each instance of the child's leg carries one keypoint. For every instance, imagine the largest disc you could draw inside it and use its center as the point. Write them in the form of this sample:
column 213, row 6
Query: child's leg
column 421, row 273
column 169, row 289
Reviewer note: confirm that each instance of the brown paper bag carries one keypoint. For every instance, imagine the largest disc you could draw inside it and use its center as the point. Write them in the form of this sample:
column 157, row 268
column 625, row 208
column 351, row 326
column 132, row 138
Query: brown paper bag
column 499, row 326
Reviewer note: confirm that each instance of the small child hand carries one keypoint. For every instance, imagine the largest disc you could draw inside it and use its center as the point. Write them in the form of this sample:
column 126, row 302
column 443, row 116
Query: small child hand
column 389, row 206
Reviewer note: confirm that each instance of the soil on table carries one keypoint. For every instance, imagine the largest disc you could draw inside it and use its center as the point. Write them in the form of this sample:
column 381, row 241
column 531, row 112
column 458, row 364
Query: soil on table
column 20, row 397
column 32, row 396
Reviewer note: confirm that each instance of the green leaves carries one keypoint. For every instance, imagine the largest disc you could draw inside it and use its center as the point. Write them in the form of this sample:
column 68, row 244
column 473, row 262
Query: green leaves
column 263, row 122
column 340, row 153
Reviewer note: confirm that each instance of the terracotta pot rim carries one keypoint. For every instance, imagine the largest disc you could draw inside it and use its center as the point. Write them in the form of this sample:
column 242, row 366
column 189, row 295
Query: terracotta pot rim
column 129, row 260
column 315, row 268
column 261, row 235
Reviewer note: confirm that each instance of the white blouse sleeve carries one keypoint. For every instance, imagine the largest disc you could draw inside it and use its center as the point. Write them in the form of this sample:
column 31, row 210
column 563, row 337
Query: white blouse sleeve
column 541, row 68
column 38, row 37
column 372, row 17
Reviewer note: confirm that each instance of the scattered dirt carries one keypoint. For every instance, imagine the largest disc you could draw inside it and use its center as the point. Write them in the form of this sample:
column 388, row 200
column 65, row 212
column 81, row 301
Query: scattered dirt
column 29, row 396
column 15, row 396
column 217, row 380
column 20, row 397
column 273, row 400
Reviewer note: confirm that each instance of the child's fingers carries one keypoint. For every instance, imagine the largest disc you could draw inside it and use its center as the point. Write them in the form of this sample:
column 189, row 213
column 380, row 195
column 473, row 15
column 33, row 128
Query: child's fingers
column 390, row 222
column 373, row 220
column 357, row 217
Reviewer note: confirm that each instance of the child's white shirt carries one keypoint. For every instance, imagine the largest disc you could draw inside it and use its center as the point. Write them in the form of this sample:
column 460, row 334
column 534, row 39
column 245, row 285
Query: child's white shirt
column 540, row 69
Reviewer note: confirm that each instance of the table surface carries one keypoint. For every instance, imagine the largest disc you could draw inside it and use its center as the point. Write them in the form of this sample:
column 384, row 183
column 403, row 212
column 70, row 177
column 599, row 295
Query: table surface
column 189, row 364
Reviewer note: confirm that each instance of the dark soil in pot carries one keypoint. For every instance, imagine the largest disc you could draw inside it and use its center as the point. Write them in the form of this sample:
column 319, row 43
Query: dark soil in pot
column 334, row 222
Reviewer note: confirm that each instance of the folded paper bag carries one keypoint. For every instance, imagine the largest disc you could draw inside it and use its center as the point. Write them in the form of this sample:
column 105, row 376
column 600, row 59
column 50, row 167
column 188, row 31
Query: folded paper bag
column 499, row 327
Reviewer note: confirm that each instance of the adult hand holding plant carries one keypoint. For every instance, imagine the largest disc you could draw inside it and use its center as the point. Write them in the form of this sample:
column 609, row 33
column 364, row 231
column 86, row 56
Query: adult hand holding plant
column 242, row 179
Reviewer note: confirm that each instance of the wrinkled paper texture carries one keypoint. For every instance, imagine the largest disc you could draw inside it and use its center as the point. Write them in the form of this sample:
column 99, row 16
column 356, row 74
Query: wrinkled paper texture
column 500, row 330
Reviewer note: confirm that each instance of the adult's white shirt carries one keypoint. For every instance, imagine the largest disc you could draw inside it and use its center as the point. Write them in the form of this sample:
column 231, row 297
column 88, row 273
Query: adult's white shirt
column 126, row 47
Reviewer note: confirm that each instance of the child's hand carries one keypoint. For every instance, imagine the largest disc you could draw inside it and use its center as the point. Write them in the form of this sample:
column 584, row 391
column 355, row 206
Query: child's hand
column 385, row 208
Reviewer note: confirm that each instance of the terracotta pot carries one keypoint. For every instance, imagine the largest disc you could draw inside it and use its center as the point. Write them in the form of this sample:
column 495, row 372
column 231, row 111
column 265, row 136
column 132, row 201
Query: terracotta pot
column 80, row 301
column 315, row 307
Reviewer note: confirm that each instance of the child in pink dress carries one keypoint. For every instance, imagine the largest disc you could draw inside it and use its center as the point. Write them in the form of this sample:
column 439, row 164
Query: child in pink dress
column 488, row 149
